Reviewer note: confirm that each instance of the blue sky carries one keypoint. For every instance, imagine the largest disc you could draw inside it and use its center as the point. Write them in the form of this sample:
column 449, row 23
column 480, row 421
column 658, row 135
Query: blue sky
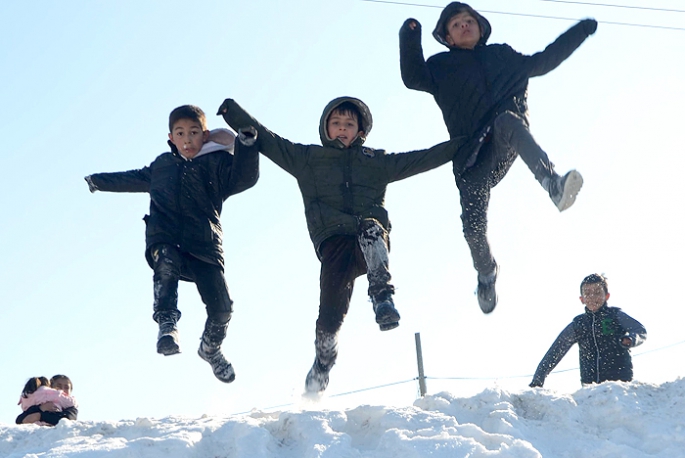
column 88, row 87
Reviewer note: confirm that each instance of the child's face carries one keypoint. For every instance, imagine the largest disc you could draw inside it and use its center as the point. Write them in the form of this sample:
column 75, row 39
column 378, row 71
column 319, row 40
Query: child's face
column 343, row 126
column 63, row 385
column 463, row 31
column 188, row 137
column 594, row 296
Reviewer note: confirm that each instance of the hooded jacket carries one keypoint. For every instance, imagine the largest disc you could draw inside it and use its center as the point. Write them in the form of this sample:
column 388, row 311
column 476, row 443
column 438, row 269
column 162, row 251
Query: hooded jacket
column 473, row 86
column 601, row 354
column 341, row 186
column 186, row 196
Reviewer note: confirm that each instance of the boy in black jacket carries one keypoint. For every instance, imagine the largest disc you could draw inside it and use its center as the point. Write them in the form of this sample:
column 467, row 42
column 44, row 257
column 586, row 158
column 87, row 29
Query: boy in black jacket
column 183, row 234
column 481, row 90
column 604, row 336
column 343, row 186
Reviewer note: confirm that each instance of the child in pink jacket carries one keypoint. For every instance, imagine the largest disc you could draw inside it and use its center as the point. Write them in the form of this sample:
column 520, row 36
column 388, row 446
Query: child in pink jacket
column 37, row 391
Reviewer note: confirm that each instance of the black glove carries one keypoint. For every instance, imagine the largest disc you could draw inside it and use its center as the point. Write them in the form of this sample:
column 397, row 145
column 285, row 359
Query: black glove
column 91, row 185
column 407, row 26
column 589, row 26
column 223, row 109
column 247, row 135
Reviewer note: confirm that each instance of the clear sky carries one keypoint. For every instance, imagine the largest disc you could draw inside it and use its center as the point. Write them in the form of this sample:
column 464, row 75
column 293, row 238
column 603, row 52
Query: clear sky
column 87, row 87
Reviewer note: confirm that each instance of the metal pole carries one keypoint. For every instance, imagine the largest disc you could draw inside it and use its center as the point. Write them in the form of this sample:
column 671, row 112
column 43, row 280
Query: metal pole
column 419, row 360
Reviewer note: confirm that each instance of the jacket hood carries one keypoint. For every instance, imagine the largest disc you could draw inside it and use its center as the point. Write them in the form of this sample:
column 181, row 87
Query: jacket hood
column 366, row 122
column 453, row 9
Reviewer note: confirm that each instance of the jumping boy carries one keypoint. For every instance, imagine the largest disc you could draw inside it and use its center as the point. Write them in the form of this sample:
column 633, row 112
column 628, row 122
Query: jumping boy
column 183, row 235
column 481, row 90
column 343, row 186
column 604, row 336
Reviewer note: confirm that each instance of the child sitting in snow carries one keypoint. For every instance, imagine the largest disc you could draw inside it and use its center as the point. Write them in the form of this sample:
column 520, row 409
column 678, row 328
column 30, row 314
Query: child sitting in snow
column 39, row 397
column 482, row 92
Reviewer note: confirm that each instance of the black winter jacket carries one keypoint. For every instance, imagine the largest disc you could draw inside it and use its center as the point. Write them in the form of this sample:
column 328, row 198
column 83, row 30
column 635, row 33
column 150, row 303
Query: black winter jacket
column 52, row 418
column 602, row 355
column 472, row 87
column 186, row 196
column 342, row 186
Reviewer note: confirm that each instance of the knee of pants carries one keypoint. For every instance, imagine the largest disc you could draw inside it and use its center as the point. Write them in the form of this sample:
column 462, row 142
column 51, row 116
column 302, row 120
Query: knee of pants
column 221, row 313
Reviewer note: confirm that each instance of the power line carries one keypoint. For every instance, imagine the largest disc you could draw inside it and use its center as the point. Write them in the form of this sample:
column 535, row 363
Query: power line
column 628, row 24
column 617, row 6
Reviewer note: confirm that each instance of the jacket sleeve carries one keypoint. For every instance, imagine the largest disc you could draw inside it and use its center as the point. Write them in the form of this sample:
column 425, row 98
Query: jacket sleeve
column 633, row 328
column 415, row 72
column 556, row 352
column 130, row 181
column 558, row 51
column 289, row 156
column 244, row 171
column 53, row 418
column 26, row 413
column 403, row 165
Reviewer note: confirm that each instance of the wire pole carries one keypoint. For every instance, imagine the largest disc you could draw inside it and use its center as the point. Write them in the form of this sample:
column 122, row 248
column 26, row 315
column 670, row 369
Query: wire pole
column 419, row 360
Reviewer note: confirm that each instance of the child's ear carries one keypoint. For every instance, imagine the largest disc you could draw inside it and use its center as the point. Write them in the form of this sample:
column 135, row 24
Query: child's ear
column 581, row 299
column 171, row 137
column 606, row 298
column 205, row 136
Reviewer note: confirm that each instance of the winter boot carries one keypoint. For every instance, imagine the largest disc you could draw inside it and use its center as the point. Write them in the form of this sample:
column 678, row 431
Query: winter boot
column 563, row 190
column 487, row 295
column 167, row 338
column 326, row 353
column 387, row 316
column 210, row 350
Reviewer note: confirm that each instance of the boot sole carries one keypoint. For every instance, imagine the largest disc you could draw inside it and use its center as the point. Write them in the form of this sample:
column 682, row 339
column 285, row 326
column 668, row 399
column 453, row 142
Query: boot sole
column 387, row 315
column 388, row 326
column 167, row 346
column 572, row 186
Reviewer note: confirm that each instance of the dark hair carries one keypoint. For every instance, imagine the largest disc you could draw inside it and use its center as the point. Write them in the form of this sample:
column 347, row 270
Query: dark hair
column 61, row 377
column 33, row 384
column 350, row 109
column 594, row 279
column 187, row 112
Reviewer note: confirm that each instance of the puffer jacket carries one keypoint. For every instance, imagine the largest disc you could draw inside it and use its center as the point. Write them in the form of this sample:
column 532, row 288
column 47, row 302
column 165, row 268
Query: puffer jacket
column 341, row 185
column 602, row 356
column 472, row 87
column 186, row 196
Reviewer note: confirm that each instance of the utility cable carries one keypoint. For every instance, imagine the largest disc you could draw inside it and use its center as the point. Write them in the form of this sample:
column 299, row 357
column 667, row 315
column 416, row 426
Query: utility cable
column 616, row 6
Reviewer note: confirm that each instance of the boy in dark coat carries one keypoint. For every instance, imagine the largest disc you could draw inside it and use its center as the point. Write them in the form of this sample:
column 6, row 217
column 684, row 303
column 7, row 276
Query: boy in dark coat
column 343, row 186
column 481, row 90
column 183, row 236
column 604, row 336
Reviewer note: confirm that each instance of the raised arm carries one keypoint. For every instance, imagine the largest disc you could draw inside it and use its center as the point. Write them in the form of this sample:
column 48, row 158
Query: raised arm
column 415, row 72
column 244, row 171
column 633, row 330
column 555, row 353
column 289, row 156
column 558, row 51
column 130, row 181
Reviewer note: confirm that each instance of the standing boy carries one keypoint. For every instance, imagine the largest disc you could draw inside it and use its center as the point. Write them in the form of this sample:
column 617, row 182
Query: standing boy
column 183, row 234
column 604, row 336
column 481, row 90
column 343, row 186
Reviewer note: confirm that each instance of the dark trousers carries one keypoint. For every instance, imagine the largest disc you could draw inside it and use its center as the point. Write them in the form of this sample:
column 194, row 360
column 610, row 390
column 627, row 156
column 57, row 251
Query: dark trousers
column 510, row 138
column 168, row 263
column 343, row 259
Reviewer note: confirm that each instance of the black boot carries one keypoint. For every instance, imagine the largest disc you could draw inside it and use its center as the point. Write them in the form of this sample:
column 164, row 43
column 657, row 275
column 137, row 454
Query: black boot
column 387, row 316
column 210, row 350
column 487, row 294
column 167, row 338
column 326, row 353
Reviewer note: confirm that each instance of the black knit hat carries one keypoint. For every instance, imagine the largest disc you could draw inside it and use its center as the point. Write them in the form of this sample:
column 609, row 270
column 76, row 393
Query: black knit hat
column 452, row 10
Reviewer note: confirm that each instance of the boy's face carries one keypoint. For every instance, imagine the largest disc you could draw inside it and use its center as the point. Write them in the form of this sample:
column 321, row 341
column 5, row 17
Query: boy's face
column 63, row 385
column 594, row 296
column 188, row 137
column 463, row 31
column 343, row 126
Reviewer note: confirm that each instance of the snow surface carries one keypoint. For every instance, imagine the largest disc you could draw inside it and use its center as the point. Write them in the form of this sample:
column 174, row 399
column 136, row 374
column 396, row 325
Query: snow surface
column 613, row 419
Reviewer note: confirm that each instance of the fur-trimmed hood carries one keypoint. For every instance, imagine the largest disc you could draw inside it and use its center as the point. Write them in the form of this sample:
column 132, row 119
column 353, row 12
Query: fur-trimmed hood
column 365, row 125
column 452, row 10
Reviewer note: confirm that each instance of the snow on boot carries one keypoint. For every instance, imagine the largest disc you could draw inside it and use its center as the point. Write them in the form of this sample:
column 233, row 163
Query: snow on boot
column 387, row 316
column 563, row 190
column 487, row 295
column 167, row 338
column 210, row 351
column 326, row 345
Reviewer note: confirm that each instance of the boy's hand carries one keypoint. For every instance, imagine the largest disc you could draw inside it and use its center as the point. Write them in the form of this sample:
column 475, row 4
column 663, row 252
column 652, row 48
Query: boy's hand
column 48, row 407
column 223, row 109
column 627, row 342
column 412, row 24
column 589, row 26
column 91, row 185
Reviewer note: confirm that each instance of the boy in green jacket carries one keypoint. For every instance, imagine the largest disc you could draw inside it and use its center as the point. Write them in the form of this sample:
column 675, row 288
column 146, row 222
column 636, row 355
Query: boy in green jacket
column 343, row 186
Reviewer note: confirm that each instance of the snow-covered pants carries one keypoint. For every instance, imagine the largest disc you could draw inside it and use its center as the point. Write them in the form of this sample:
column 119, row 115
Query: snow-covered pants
column 343, row 259
column 168, row 263
column 510, row 138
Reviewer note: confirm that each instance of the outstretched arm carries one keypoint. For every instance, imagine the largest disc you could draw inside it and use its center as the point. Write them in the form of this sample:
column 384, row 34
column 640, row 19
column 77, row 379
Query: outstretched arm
column 245, row 167
column 555, row 353
column 557, row 52
column 415, row 72
column 130, row 181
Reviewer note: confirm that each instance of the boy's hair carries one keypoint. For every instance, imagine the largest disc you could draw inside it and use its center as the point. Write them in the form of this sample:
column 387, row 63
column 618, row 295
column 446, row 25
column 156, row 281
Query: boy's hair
column 191, row 112
column 350, row 109
column 33, row 384
column 593, row 279
column 61, row 377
